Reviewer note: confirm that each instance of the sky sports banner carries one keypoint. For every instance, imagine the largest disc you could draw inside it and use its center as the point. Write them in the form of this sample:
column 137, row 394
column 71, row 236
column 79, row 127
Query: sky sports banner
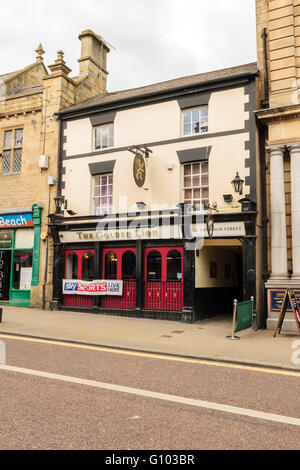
column 97, row 287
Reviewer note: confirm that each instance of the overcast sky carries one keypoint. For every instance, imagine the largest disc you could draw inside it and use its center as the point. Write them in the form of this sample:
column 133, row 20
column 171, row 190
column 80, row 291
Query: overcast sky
column 153, row 40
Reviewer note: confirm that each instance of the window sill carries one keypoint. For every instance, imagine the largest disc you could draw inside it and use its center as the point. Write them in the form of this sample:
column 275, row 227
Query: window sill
column 195, row 135
column 102, row 149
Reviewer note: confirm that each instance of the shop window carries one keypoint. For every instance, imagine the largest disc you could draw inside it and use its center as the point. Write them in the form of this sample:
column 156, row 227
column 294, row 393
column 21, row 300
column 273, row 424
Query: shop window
column 88, row 260
column 22, row 270
column 103, row 136
column 6, row 238
column 195, row 184
column 24, row 238
column 111, row 260
column 12, row 151
column 174, row 272
column 102, row 194
column 128, row 265
column 195, row 121
column 72, row 266
column 154, row 266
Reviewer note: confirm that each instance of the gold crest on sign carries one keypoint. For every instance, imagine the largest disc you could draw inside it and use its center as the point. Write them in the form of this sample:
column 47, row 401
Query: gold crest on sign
column 139, row 169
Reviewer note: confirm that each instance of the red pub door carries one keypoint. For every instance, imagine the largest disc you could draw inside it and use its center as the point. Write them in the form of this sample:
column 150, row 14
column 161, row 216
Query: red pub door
column 120, row 264
column 164, row 278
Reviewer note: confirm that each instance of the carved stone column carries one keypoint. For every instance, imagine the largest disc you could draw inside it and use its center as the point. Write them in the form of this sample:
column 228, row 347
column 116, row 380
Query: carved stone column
column 278, row 219
column 295, row 207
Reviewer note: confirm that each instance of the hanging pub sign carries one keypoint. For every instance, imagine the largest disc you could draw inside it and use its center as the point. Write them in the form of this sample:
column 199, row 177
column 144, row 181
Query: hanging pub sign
column 289, row 297
column 139, row 169
column 97, row 287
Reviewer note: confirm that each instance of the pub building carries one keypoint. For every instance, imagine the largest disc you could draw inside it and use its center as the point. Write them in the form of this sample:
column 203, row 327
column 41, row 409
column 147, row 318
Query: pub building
column 158, row 198
column 20, row 230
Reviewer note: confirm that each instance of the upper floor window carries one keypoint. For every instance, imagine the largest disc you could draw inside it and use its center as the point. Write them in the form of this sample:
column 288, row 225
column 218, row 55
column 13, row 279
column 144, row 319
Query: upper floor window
column 195, row 184
column 102, row 194
column 195, row 121
column 103, row 136
column 12, row 151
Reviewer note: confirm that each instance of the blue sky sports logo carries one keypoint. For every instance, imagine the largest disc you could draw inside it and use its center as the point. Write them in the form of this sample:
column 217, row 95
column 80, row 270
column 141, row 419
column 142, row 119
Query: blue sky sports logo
column 70, row 286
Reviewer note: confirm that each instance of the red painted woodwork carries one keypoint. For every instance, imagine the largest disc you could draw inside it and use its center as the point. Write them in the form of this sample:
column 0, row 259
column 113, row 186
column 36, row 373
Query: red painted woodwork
column 128, row 298
column 77, row 300
column 162, row 293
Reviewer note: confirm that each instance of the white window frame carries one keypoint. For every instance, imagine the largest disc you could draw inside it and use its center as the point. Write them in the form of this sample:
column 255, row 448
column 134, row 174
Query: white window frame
column 199, row 187
column 99, row 209
column 203, row 121
column 99, row 141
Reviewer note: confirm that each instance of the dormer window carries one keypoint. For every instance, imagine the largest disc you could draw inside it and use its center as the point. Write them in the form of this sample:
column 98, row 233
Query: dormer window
column 195, row 121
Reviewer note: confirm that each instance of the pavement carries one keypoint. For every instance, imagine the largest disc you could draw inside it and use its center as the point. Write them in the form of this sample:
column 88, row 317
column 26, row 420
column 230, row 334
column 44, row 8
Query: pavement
column 203, row 340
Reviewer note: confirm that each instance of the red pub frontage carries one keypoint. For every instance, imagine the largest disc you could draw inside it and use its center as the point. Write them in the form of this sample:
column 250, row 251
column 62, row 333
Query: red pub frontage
column 156, row 274
column 154, row 264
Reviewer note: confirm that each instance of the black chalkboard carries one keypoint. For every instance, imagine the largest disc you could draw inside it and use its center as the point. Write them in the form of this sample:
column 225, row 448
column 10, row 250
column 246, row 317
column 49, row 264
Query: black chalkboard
column 4, row 274
column 289, row 295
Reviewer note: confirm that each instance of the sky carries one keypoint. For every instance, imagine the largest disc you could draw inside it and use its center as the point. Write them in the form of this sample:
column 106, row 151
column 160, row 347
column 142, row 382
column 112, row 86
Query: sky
column 152, row 40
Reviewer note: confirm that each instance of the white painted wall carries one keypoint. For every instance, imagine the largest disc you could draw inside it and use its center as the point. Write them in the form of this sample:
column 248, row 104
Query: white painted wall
column 157, row 123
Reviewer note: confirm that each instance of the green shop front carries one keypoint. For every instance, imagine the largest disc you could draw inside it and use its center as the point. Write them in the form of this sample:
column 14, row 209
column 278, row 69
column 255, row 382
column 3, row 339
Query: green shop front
column 20, row 231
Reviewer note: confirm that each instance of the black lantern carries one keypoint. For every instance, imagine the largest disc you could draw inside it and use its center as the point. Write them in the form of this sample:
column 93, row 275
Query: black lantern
column 59, row 200
column 237, row 183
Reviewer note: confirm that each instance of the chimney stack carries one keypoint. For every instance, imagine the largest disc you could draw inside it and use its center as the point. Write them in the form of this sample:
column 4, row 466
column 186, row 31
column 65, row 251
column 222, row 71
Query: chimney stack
column 93, row 58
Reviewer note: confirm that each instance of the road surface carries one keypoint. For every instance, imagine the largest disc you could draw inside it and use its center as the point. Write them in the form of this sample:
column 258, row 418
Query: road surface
column 66, row 396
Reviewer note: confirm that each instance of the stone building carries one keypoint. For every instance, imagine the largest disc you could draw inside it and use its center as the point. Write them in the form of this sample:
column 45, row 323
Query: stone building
column 148, row 173
column 278, row 46
column 29, row 133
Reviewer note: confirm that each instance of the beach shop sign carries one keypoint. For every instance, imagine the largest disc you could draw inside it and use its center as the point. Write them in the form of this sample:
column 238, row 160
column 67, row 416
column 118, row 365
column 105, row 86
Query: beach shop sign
column 16, row 220
column 97, row 287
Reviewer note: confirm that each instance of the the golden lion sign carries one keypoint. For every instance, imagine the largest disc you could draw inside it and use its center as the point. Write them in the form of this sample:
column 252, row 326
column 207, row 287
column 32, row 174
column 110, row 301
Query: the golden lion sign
column 139, row 169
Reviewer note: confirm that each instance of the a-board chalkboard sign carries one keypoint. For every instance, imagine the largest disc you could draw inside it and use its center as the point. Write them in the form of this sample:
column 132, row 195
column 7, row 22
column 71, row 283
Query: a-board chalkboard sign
column 289, row 295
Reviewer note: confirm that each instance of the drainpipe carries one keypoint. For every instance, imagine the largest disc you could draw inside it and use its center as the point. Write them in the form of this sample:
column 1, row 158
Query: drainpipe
column 59, row 156
column 265, row 274
column 265, row 102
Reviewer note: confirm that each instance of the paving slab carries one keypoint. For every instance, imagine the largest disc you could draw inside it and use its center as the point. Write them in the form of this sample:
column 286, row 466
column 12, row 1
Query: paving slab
column 205, row 339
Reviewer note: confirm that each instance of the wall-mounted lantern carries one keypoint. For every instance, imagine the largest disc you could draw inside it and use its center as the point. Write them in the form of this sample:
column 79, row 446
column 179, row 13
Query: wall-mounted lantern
column 59, row 200
column 237, row 184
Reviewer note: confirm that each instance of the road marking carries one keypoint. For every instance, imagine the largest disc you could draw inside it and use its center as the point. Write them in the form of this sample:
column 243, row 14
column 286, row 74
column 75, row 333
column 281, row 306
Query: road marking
column 155, row 355
column 160, row 396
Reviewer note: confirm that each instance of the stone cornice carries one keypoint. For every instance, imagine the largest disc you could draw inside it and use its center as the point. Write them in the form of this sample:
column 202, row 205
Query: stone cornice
column 281, row 113
column 20, row 112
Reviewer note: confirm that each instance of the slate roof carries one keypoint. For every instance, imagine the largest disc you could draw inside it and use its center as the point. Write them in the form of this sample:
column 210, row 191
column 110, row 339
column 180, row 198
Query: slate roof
column 167, row 86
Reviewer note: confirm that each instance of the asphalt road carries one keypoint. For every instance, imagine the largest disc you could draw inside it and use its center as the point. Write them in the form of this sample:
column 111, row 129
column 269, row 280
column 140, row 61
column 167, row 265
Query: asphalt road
column 103, row 399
